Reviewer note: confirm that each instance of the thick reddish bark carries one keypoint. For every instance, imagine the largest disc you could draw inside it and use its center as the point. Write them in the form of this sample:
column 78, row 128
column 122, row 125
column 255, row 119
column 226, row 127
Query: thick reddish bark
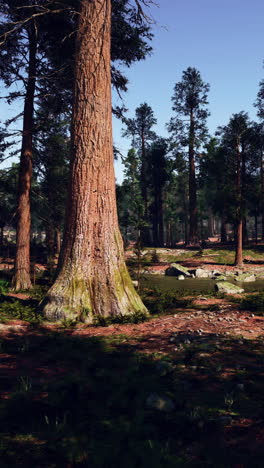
column 193, row 229
column 239, row 244
column 21, row 278
column 92, row 278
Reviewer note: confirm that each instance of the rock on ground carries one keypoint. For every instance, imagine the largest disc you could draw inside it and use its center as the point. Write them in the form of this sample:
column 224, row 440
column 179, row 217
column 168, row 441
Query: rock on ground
column 228, row 288
column 176, row 270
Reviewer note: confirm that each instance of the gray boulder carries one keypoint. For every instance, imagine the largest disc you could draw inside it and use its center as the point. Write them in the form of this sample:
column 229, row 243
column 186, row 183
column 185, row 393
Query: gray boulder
column 228, row 288
column 201, row 273
column 177, row 270
column 229, row 273
column 245, row 278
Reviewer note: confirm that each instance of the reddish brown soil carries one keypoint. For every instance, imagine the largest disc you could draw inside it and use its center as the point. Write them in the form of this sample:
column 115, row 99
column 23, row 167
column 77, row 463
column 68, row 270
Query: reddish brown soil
column 154, row 335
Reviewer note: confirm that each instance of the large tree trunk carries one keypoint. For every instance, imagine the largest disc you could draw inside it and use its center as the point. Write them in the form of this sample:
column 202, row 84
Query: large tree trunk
column 21, row 278
column 92, row 278
column 193, row 229
column 239, row 220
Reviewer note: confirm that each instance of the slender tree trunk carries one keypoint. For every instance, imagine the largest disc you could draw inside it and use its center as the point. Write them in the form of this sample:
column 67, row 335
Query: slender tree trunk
column 223, row 231
column 21, row 278
column 49, row 241
column 160, row 218
column 239, row 223
column 193, row 229
column 256, row 228
column 245, row 231
column 210, row 224
column 1, row 236
column 239, row 244
column 57, row 241
column 262, row 194
column 145, row 234
column 92, row 277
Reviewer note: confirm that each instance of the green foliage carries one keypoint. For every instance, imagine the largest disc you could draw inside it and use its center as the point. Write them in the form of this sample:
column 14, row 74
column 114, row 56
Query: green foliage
column 23, row 310
column 136, row 317
column 158, row 302
column 254, row 303
column 4, row 286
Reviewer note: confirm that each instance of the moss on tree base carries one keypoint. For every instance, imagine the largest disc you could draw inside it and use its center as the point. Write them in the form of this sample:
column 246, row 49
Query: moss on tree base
column 85, row 300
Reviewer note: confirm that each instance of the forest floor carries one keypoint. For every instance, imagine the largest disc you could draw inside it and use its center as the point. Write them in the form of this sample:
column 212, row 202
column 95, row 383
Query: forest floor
column 182, row 389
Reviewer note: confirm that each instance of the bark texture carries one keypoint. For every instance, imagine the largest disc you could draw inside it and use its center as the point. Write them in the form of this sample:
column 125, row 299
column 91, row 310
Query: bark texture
column 193, row 229
column 21, row 278
column 92, row 278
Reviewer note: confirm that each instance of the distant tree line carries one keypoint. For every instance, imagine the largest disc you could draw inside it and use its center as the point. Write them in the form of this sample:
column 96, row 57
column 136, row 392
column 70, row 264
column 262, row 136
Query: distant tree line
column 193, row 186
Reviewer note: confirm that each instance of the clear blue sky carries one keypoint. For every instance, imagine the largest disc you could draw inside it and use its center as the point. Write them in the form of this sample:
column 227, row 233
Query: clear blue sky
column 223, row 39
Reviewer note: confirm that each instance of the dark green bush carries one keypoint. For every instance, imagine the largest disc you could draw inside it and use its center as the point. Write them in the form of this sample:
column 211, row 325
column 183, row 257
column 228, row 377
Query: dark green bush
column 160, row 302
column 254, row 303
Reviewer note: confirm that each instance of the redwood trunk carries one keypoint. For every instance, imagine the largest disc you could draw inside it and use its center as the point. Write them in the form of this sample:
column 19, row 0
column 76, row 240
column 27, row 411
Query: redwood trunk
column 193, row 230
column 21, row 278
column 92, row 278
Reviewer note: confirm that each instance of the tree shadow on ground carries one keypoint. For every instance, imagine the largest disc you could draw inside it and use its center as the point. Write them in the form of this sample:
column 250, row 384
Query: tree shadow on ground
column 72, row 401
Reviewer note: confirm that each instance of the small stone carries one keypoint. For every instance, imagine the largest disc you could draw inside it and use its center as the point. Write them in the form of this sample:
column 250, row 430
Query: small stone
column 181, row 277
column 241, row 386
column 160, row 402
column 164, row 368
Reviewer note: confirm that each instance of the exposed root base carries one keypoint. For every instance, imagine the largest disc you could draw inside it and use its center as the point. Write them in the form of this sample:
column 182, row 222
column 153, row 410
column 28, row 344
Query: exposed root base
column 21, row 281
column 80, row 302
